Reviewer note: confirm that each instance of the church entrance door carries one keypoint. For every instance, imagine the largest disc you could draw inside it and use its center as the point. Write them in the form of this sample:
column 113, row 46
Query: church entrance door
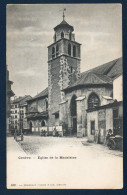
column 74, row 131
column 73, row 109
column 30, row 127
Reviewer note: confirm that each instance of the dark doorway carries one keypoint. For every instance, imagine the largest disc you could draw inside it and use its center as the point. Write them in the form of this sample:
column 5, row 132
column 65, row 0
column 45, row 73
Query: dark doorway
column 43, row 123
column 74, row 126
column 30, row 126
column 73, row 109
column 117, row 123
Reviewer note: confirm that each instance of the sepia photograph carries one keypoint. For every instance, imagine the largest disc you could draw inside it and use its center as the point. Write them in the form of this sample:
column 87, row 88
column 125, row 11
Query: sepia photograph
column 64, row 96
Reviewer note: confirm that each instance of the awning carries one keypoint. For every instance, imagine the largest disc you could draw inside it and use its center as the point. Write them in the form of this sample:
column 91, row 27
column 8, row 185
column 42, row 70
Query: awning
column 107, row 97
column 80, row 98
column 63, row 102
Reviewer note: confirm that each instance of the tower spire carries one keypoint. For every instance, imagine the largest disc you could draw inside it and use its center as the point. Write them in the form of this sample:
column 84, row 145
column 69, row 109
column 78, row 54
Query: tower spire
column 63, row 13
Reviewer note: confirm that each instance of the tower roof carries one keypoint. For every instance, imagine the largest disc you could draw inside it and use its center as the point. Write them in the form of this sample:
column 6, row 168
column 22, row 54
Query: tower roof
column 64, row 24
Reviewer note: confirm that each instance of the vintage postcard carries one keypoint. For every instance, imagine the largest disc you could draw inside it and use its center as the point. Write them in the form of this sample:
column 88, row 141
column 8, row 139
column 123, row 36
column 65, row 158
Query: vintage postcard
column 64, row 96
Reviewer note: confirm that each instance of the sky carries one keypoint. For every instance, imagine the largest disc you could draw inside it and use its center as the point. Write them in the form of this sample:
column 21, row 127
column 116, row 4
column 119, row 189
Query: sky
column 98, row 27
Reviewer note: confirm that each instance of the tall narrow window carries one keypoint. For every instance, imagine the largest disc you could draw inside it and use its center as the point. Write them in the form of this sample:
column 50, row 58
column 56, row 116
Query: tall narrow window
column 53, row 52
column 69, row 49
column 55, row 37
column 73, row 106
column 57, row 50
column 62, row 35
column 71, row 70
column 92, row 127
column 70, row 35
column 46, row 102
column 74, row 51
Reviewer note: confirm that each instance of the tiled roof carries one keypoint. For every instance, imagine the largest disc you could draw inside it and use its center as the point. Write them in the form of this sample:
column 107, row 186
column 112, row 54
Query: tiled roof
column 117, row 69
column 17, row 100
column 41, row 94
column 103, row 74
column 23, row 101
column 110, row 69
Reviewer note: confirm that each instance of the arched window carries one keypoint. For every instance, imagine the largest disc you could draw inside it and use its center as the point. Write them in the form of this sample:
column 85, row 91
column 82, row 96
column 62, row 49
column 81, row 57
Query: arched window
column 74, row 51
column 93, row 101
column 73, row 107
column 57, row 50
column 62, row 35
column 53, row 52
column 69, row 49
column 70, row 35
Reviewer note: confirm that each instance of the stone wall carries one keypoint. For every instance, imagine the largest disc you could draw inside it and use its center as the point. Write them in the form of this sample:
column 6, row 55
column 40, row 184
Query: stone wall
column 81, row 107
column 38, row 105
column 54, row 95
column 60, row 77
column 109, row 118
column 41, row 105
column 103, row 121
column 92, row 116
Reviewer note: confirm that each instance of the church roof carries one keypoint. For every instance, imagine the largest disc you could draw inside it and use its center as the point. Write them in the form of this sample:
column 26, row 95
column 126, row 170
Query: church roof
column 22, row 100
column 64, row 24
column 111, row 69
column 103, row 74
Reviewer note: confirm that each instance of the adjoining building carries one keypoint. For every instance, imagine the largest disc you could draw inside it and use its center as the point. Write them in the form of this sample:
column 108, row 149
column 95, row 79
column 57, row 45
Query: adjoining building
column 70, row 94
column 102, row 118
column 37, row 113
column 9, row 94
column 18, row 113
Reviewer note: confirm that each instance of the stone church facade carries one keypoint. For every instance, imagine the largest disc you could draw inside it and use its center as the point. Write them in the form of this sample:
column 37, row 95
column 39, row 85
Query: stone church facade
column 70, row 93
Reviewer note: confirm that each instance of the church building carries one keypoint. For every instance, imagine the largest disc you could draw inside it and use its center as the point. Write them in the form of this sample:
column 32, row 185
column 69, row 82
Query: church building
column 70, row 93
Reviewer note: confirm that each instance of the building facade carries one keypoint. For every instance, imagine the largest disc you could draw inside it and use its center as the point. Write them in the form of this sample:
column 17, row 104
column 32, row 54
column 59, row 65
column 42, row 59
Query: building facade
column 70, row 93
column 18, row 113
column 37, row 113
column 101, row 119
column 9, row 94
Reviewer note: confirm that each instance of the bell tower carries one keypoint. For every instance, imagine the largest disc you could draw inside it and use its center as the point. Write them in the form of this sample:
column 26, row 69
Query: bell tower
column 63, row 66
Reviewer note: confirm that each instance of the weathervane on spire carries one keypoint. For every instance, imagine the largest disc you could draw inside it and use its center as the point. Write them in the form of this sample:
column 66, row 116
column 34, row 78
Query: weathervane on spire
column 63, row 13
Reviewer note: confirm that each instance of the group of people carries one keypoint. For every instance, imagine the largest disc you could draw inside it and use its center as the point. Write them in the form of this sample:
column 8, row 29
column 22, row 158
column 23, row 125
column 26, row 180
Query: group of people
column 44, row 132
column 98, row 136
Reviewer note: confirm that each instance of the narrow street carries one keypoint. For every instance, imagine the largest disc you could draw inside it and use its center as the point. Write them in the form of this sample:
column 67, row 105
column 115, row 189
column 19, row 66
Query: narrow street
column 56, row 160
column 37, row 145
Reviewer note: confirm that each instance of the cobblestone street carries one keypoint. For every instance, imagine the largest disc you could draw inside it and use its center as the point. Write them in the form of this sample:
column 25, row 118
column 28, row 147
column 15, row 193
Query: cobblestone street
column 57, row 159
column 37, row 145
